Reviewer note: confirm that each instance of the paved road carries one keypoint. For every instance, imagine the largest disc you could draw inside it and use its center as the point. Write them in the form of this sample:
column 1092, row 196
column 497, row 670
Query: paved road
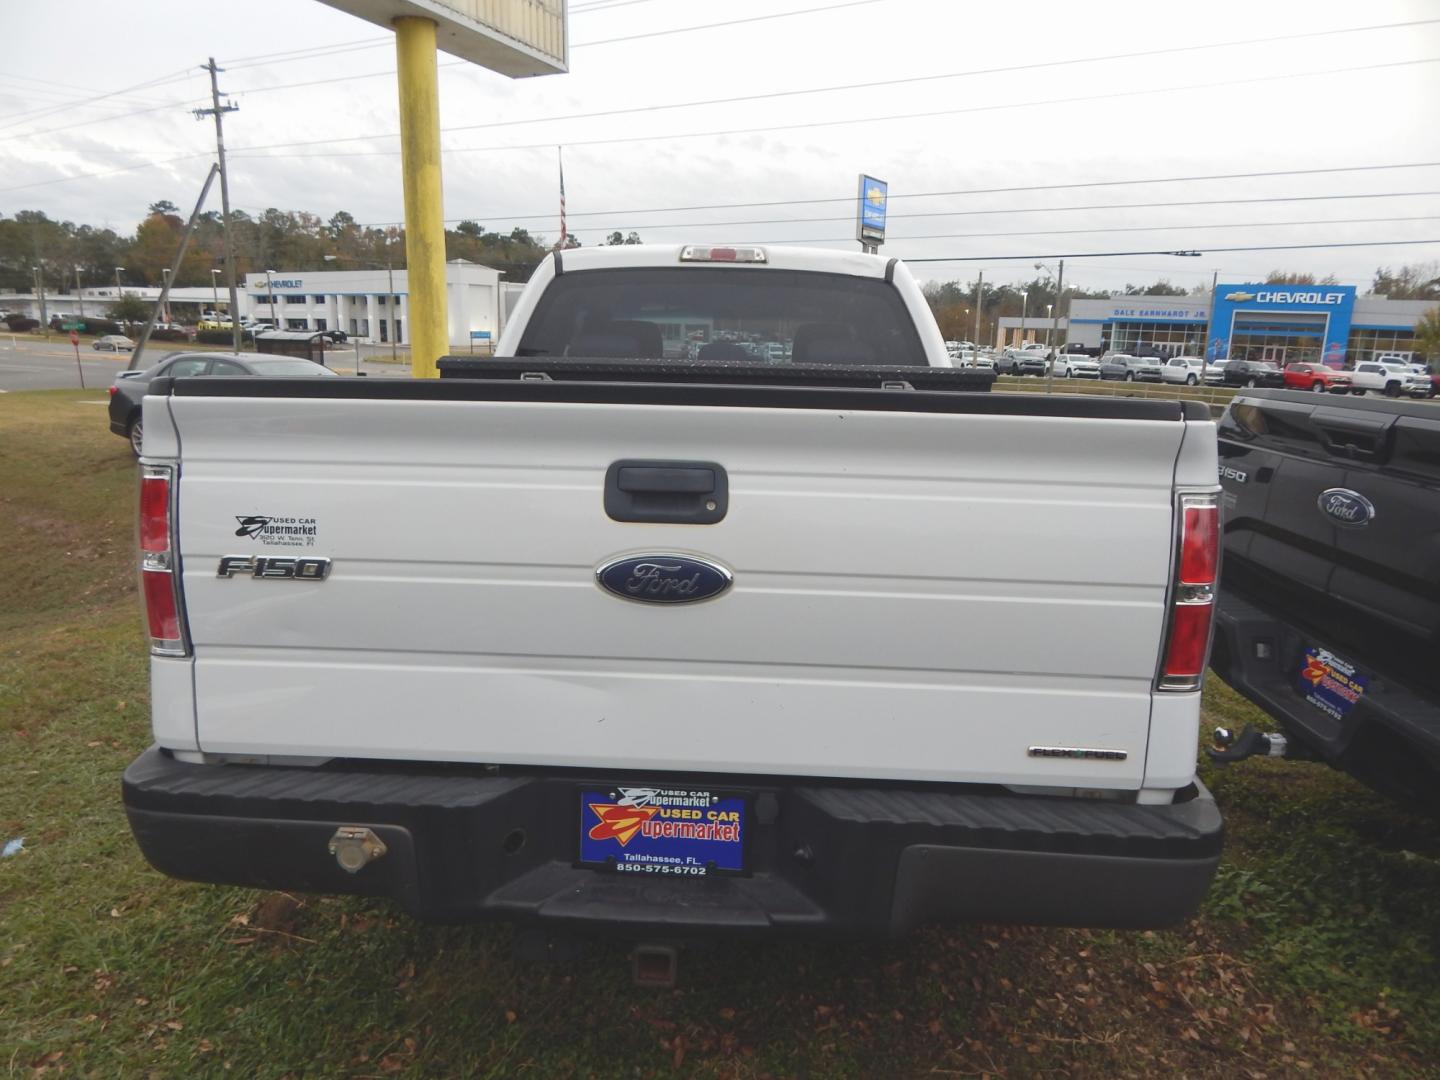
column 35, row 364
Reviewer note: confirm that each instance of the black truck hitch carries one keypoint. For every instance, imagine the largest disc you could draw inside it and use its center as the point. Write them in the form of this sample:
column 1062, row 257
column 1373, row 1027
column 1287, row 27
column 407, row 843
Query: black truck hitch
column 1249, row 743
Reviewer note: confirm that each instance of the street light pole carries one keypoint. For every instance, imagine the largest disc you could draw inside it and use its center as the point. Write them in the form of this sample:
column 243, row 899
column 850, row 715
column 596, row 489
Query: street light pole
column 40, row 299
column 79, row 294
column 215, row 292
column 270, row 287
column 1055, row 325
column 1209, row 328
column 165, row 283
column 118, row 287
column 1024, row 303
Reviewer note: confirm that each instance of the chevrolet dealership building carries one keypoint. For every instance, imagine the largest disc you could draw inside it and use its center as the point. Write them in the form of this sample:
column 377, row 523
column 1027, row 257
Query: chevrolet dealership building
column 1283, row 323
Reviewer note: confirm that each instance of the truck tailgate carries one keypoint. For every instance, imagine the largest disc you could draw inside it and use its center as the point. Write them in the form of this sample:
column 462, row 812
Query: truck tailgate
column 916, row 595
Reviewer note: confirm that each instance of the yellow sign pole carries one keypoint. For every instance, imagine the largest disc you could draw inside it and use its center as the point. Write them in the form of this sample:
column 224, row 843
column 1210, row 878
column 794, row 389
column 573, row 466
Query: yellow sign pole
column 424, row 213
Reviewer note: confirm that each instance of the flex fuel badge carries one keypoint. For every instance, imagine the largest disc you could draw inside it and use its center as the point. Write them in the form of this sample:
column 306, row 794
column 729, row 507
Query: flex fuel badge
column 674, row 831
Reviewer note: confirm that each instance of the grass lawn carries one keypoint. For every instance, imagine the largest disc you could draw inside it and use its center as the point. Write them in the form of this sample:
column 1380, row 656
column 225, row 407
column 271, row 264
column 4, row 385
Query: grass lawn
column 1315, row 954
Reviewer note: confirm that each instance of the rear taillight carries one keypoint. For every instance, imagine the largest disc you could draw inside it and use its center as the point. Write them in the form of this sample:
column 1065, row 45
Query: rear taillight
column 159, row 581
column 1192, row 594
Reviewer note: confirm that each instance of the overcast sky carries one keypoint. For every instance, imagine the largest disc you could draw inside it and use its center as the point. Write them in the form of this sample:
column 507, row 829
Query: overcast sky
column 1126, row 105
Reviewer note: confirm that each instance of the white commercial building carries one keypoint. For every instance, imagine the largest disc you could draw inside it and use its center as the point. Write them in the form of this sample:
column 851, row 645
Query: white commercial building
column 363, row 305
column 359, row 302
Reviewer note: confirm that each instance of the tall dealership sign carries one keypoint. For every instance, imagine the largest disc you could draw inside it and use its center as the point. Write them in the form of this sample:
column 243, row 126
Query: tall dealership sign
column 514, row 37
column 873, row 202
column 1282, row 313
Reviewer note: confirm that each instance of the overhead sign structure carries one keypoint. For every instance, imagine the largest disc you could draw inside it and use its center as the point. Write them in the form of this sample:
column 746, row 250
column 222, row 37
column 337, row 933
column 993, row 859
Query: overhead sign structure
column 514, row 37
column 870, row 215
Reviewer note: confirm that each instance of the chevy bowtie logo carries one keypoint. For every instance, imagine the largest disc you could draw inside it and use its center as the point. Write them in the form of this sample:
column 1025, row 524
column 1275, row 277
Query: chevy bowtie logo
column 1240, row 297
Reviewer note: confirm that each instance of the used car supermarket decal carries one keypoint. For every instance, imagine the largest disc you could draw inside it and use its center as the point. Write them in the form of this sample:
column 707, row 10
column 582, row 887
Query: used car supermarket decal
column 1329, row 683
column 279, row 531
column 662, row 830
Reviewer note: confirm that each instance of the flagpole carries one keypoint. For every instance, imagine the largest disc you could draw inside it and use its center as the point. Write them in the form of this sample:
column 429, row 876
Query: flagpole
column 560, row 157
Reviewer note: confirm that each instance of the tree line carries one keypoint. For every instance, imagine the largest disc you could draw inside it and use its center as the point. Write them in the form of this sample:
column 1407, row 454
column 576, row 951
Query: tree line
column 275, row 239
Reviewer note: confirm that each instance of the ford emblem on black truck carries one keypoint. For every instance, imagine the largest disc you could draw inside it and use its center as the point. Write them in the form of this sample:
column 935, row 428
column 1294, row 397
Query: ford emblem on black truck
column 663, row 578
column 1346, row 507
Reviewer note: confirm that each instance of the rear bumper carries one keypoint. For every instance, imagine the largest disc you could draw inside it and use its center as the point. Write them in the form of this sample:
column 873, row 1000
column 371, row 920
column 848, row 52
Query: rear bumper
column 465, row 844
column 1243, row 626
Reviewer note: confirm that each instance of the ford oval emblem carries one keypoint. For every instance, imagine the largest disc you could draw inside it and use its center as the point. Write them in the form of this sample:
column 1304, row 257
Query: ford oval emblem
column 663, row 578
column 1346, row 508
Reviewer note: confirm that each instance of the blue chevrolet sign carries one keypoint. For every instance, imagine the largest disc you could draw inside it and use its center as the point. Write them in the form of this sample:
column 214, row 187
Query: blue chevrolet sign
column 1281, row 313
column 874, row 199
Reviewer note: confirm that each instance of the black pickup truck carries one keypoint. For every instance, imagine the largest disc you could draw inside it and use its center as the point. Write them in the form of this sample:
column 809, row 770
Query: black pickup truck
column 1329, row 603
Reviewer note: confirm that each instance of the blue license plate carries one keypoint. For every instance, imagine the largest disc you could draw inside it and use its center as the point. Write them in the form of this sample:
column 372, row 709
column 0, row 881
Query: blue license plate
column 640, row 829
column 1330, row 683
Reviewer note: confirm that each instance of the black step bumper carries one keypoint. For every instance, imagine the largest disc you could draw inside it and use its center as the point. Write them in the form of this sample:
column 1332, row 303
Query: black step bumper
column 465, row 844
column 1259, row 652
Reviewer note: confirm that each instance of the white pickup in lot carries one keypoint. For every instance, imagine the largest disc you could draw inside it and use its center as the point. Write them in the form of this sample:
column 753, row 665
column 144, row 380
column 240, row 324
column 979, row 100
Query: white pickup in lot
column 1391, row 378
column 582, row 637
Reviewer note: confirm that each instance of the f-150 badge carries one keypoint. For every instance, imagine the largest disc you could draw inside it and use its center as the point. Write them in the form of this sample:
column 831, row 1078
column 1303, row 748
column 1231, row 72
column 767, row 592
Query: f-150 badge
column 1346, row 508
column 663, row 578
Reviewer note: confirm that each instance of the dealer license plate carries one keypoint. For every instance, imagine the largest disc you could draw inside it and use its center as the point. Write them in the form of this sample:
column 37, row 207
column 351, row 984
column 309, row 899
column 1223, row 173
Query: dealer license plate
column 641, row 829
column 1329, row 682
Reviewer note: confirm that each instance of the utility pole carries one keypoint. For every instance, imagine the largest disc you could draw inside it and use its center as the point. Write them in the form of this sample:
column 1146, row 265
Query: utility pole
column 217, row 110
column 1055, row 326
column 1209, row 328
column 979, row 296
column 79, row 296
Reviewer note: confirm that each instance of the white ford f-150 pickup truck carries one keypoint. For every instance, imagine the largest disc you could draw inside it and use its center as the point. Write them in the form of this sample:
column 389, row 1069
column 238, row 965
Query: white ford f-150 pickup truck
column 580, row 636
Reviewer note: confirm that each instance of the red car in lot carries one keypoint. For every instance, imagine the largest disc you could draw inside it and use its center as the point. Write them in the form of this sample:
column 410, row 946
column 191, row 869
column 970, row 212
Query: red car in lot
column 1316, row 377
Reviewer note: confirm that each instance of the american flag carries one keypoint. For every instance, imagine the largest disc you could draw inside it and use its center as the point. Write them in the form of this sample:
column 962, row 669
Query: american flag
column 563, row 234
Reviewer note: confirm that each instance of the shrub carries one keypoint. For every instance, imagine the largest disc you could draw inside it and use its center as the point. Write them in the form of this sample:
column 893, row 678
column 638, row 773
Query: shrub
column 171, row 335
column 221, row 337
column 19, row 324
column 101, row 326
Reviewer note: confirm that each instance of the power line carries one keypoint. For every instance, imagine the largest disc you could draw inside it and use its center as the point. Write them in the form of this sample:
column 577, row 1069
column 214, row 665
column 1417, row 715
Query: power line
column 1005, row 210
column 727, row 22
column 604, row 5
column 47, row 110
column 108, row 172
column 1101, row 229
column 1207, row 251
column 1010, row 190
column 845, row 122
column 869, row 85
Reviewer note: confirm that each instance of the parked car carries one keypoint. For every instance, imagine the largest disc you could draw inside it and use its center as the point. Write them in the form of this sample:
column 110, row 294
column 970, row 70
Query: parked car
column 1317, row 377
column 1130, row 368
column 1423, row 370
column 1075, row 366
column 1215, row 372
column 1253, row 373
column 128, row 393
column 112, row 343
column 1329, row 601
column 1032, row 358
column 665, row 586
column 1393, row 379
column 1190, row 370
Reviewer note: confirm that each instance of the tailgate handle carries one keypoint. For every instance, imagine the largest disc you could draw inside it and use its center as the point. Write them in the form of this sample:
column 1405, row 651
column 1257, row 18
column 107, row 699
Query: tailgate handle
column 667, row 492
